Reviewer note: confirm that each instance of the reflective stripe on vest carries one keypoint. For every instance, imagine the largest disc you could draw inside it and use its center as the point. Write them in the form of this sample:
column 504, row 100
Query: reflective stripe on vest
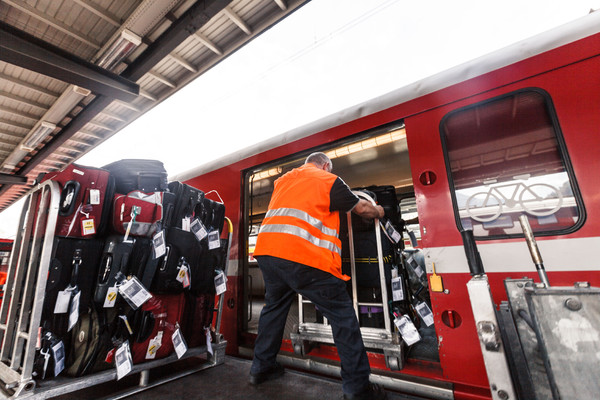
column 297, row 231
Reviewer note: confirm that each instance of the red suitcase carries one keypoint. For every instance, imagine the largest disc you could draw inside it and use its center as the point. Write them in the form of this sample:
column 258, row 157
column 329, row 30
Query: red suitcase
column 149, row 213
column 85, row 200
column 159, row 316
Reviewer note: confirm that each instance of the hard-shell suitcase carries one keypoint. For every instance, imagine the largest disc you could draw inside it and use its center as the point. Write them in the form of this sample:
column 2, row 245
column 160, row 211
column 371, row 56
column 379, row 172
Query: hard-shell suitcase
column 137, row 213
column 133, row 174
column 212, row 214
column 188, row 204
column 156, row 320
column 85, row 200
column 182, row 247
column 199, row 310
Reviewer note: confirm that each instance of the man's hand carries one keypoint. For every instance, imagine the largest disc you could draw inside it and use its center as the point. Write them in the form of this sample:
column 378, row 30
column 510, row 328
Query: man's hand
column 365, row 209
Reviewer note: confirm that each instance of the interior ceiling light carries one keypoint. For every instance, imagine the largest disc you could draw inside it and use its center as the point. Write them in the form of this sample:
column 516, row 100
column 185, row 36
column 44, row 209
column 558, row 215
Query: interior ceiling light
column 266, row 174
column 39, row 132
column 380, row 140
column 121, row 47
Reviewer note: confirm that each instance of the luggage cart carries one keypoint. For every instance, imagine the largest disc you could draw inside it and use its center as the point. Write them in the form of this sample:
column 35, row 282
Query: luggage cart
column 21, row 312
column 306, row 334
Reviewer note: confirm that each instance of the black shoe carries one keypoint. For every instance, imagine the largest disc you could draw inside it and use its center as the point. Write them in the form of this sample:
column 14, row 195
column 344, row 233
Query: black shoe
column 272, row 373
column 372, row 392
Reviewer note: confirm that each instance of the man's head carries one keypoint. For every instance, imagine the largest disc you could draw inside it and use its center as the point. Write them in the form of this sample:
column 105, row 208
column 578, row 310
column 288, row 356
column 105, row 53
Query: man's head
column 320, row 160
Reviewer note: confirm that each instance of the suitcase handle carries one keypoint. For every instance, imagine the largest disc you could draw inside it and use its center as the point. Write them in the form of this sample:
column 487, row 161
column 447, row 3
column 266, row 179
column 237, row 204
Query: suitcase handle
column 105, row 268
column 76, row 263
column 67, row 198
column 163, row 264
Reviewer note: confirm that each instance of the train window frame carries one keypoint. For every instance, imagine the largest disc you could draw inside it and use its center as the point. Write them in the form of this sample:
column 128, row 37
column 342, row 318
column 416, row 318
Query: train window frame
column 563, row 157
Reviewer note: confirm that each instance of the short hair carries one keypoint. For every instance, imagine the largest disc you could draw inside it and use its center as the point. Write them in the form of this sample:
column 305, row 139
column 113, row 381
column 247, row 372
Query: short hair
column 319, row 159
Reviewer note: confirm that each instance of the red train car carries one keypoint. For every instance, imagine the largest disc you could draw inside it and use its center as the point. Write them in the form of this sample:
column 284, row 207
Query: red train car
column 515, row 132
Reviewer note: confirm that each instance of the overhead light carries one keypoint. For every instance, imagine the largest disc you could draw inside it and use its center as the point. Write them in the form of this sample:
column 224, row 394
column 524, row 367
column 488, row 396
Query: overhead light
column 123, row 46
column 266, row 174
column 39, row 132
column 380, row 140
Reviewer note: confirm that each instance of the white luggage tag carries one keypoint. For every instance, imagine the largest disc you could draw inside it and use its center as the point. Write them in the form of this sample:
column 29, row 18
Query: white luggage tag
column 94, row 197
column 74, row 311
column 208, row 340
column 392, row 233
column 88, row 227
column 185, row 224
column 179, row 342
column 111, row 297
column 214, row 241
column 159, row 244
column 58, row 353
column 220, row 282
column 407, row 329
column 425, row 313
column 154, row 345
column 123, row 360
column 198, row 229
column 63, row 300
column 134, row 292
column 397, row 289
column 415, row 266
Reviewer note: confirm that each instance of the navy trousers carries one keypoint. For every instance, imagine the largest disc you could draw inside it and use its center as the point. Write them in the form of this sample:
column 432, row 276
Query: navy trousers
column 283, row 280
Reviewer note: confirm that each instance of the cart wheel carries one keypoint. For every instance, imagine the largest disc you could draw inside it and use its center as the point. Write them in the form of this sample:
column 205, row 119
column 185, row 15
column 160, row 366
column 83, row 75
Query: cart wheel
column 299, row 349
column 393, row 363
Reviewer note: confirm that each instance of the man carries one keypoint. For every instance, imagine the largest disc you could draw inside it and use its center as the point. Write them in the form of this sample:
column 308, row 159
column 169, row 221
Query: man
column 299, row 251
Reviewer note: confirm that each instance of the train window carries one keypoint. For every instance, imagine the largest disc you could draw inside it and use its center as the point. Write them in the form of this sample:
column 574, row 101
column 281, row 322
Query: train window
column 504, row 159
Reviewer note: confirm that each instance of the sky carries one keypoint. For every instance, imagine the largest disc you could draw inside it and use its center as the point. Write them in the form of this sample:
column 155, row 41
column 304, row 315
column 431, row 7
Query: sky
column 326, row 56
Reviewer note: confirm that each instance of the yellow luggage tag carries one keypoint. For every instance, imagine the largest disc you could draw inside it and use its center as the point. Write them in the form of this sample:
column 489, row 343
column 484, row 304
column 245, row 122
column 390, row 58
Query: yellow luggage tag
column 435, row 281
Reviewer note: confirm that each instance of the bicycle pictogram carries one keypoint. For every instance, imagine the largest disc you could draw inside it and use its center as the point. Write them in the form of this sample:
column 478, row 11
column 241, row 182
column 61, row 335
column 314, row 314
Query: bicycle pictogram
column 538, row 199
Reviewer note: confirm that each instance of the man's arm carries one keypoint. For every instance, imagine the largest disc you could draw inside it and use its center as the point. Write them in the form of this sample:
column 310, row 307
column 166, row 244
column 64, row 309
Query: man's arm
column 365, row 209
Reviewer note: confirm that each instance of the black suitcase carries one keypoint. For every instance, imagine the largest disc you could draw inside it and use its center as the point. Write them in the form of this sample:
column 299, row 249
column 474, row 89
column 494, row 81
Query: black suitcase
column 182, row 247
column 73, row 262
column 189, row 202
column 212, row 214
column 387, row 198
column 115, row 259
column 144, row 175
column 367, row 263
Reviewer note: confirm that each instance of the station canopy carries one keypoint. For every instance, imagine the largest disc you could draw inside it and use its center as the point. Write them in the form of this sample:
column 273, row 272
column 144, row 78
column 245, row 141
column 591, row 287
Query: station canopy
column 75, row 72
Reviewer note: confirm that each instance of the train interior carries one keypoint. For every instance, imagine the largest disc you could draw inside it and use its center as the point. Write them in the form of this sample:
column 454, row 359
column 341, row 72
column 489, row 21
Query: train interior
column 378, row 161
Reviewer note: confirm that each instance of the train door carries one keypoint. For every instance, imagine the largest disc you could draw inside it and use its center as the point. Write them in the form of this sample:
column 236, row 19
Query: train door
column 374, row 160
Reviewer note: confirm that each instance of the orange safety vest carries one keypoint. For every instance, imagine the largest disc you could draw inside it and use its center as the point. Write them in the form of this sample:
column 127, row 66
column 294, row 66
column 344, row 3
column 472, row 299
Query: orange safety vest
column 299, row 226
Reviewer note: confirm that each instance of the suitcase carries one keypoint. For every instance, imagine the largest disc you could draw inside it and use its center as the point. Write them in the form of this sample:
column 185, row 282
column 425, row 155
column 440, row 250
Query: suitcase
column 85, row 200
column 386, row 197
column 169, row 202
column 189, row 202
column 199, row 311
column 144, row 175
column 73, row 262
column 114, row 259
column 367, row 264
column 148, row 210
column 212, row 214
column 182, row 246
column 371, row 317
column 155, row 322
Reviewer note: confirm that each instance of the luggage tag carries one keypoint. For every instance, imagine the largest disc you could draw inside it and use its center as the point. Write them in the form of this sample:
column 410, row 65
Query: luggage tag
column 392, row 232
column 397, row 289
column 220, row 282
column 123, row 360
column 154, row 345
column 208, row 340
column 407, row 329
column 134, row 292
column 186, row 224
column 415, row 266
column 58, row 353
column 63, row 300
column 179, row 342
column 198, row 229
column 74, row 311
column 425, row 313
column 159, row 244
column 183, row 275
column 111, row 297
column 94, row 197
column 214, row 241
column 88, row 227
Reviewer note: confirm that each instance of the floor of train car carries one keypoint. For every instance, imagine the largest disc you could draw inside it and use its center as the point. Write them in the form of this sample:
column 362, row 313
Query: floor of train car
column 225, row 381
column 426, row 349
